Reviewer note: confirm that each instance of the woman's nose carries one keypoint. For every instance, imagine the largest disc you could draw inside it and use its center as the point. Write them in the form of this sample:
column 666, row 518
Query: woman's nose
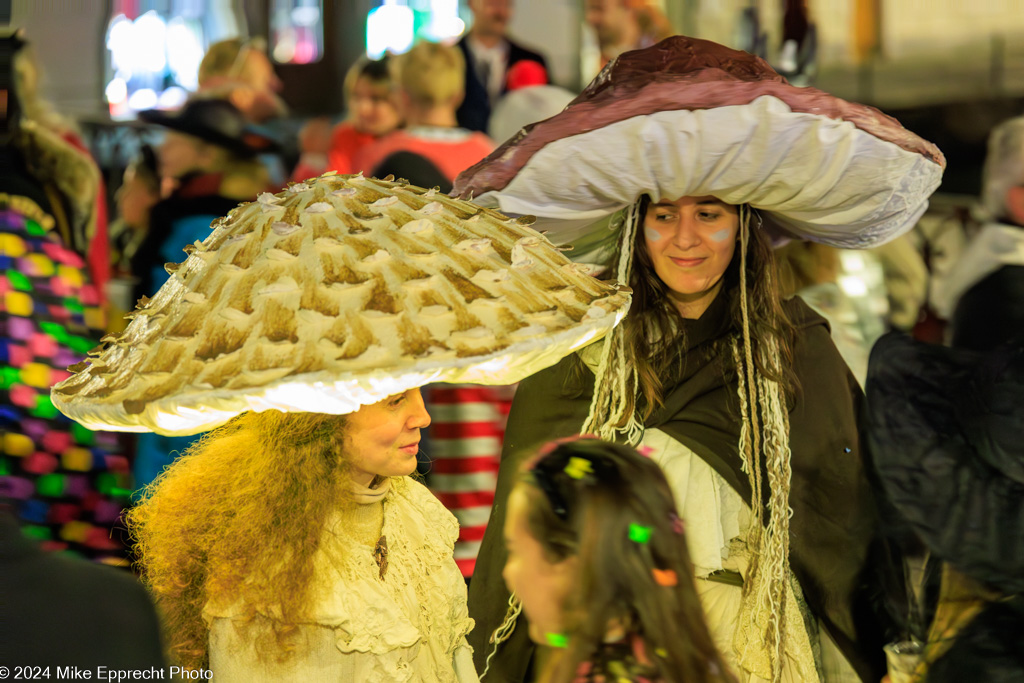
column 419, row 418
column 686, row 235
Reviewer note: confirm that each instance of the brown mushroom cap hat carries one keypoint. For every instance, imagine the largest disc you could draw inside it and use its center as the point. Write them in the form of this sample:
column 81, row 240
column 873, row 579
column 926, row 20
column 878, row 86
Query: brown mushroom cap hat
column 689, row 117
column 333, row 294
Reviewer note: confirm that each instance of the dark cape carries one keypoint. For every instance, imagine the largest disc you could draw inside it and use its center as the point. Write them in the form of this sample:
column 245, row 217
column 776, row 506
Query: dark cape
column 836, row 550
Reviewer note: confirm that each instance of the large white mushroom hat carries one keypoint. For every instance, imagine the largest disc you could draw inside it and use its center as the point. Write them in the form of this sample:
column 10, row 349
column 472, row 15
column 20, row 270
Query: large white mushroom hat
column 336, row 293
column 690, row 117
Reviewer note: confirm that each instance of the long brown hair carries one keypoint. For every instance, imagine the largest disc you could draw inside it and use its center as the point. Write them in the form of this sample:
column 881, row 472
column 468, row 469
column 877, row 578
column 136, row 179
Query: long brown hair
column 617, row 582
column 652, row 329
column 239, row 517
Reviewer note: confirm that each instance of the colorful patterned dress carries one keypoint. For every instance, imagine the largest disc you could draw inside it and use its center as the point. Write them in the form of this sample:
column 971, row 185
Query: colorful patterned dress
column 69, row 484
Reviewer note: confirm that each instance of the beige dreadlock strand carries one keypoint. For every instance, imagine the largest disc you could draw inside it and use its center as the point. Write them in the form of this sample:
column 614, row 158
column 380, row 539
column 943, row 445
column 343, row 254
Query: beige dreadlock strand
column 614, row 379
column 764, row 594
column 504, row 632
column 612, row 382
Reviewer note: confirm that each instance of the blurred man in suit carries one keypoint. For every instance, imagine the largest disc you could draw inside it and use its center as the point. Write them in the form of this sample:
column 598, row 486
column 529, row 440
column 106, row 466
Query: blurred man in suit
column 489, row 54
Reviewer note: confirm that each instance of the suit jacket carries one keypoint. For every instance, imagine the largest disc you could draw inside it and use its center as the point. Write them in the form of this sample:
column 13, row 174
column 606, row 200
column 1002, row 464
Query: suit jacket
column 64, row 611
column 475, row 111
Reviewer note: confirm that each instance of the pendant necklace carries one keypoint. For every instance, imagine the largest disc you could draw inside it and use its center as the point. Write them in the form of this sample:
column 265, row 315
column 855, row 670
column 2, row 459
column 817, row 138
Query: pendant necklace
column 380, row 554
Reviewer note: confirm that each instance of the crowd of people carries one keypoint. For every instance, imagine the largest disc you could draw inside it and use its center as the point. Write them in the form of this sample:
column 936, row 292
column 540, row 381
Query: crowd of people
column 756, row 474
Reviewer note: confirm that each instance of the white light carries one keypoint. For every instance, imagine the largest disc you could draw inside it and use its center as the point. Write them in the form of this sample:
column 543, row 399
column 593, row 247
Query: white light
column 184, row 51
column 172, row 98
column 389, row 27
column 143, row 99
column 116, row 91
column 149, row 43
column 853, row 286
column 852, row 261
column 305, row 16
column 444, row 21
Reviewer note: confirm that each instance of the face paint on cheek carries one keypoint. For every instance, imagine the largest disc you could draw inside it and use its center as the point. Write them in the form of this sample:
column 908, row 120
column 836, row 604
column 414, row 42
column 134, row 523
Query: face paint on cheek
column 652, row 234
column 722, row 235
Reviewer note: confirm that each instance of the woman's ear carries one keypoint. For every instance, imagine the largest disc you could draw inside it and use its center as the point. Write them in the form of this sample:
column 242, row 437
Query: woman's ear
column 1015, row 204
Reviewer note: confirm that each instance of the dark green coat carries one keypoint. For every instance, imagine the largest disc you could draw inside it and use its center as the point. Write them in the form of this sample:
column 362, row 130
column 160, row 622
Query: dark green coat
column 834, row 522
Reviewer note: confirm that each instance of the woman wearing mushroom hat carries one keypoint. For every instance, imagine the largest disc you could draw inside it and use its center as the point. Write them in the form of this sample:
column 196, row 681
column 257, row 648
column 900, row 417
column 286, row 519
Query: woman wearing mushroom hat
column 289, row 544
column 669, row 170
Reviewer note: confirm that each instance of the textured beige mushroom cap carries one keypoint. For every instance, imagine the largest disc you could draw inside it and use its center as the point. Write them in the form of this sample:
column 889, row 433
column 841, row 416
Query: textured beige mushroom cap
column 333, row 294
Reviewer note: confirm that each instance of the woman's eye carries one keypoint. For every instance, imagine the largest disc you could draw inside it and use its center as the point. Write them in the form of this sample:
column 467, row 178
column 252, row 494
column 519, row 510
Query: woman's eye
column 709, row 215
column 664, row 217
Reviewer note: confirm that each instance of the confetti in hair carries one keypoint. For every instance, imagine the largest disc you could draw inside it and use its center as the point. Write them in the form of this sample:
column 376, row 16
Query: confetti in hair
column 638, row 533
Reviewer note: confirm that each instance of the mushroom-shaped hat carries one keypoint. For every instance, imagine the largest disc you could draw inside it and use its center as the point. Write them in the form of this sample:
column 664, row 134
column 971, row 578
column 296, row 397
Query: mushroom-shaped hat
column 337, row 293
column 689, row 117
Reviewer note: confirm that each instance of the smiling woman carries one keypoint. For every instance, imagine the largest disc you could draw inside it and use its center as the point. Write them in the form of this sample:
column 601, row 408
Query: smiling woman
column 256, row 566
column 667, row 172
column 690, row 242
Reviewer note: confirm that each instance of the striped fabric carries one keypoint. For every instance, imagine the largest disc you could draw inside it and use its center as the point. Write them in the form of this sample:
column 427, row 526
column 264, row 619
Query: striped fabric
column 464, row 444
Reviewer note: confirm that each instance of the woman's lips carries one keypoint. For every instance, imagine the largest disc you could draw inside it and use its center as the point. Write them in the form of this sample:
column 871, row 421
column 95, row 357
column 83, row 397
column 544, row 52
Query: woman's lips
column 688, row 262
column 411, row 449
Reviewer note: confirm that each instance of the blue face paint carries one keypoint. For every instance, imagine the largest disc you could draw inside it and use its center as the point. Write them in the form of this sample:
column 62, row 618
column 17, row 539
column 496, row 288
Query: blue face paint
column 722, row 235
column 652, row 234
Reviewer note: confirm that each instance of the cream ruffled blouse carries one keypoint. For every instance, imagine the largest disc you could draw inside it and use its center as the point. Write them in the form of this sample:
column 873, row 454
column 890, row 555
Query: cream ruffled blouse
column 410, row 626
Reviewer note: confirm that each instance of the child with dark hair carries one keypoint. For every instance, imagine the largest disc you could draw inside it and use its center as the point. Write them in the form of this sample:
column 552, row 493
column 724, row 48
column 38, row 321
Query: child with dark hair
column 597, row 556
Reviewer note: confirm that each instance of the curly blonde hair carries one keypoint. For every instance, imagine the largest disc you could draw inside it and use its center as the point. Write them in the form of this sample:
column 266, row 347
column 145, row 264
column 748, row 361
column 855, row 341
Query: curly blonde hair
column 238, row 518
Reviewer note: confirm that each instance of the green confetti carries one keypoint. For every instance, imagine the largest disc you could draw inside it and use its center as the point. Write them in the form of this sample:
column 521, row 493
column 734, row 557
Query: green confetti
column 82, row 436
column 19, row 281
column 50, row 485
column 106, row 483
column 80, row 344
column 33, row 228
column 639, row 533
column 44, row 407
column 40, row 533
column 9, row 377
column 557, row 640
column 55, row 330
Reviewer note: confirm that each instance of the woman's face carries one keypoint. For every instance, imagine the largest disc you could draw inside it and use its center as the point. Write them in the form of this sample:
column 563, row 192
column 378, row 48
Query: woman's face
column 181, row 154
column 541, row 585
column 691, row 241
column 384, row 438
column 373, row 108
column 134, row 200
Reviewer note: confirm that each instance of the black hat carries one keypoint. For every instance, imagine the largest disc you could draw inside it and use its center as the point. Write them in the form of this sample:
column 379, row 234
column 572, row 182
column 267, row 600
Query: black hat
column 946, row 430
column 216, row 121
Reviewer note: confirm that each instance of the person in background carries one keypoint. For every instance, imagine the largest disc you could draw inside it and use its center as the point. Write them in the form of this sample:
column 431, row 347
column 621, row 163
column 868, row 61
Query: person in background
column 528, row 99
column 489, row 54
column 623, row 25
column 138, row 194
column 66, row 484
column 89, row 213
column 209, row 155
column 811, row 271
column 373, row 112
column 944, row 429
column 431, row 86
column 983, row 294
column 239, row 71
column 59, row 611
column 595, row 555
